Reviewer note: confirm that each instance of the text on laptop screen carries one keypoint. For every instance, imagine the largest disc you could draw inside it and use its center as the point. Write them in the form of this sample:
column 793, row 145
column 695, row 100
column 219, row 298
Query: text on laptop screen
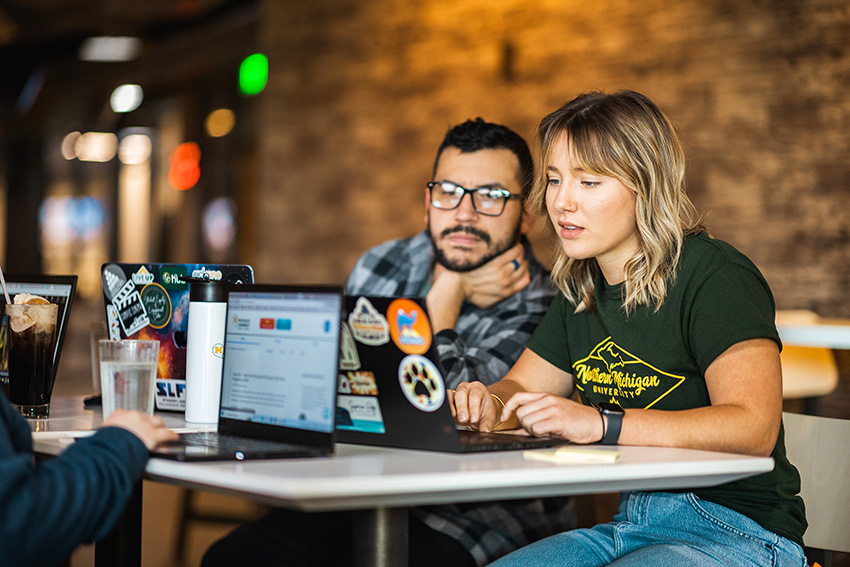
column 280, row 362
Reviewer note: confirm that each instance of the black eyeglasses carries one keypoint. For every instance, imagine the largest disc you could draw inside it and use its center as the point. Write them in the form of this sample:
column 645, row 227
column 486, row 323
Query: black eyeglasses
column 488, row 201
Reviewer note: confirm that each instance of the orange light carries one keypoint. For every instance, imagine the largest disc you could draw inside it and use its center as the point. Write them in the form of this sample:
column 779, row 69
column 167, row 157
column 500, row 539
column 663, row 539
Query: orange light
column 184, row 166
column 219, row 122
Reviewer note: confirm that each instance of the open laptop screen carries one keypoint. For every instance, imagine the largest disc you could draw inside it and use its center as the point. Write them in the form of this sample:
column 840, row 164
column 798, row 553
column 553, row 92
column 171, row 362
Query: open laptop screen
column 281, row 355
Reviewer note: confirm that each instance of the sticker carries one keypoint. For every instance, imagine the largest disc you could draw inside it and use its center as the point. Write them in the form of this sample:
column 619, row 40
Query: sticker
column 113, row 326
column 409, row 326
column 170, row 394
column 344, row 385
column 142, row 277
column 348, row 357
column 113, row 280
column 169, row 277
column 359, row 413
column 363, row 383
column 131, row 311
column 218, row 350
column 204, row 273
column 367, row 325
column 157, row 304
column 421, row 382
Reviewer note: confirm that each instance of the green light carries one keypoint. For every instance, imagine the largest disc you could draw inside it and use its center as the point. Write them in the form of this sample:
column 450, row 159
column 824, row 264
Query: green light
column 253, row 74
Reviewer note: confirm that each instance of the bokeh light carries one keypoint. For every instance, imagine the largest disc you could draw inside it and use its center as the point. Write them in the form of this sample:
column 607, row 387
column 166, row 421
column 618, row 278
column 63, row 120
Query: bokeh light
column 110, row 48
column 134, row 149
column 126, row 98
column 68, row 147
column 96, row 146
column 65, row 219
column 219, row 122
column 253, row 74
column 184, row 166
column 220, row 225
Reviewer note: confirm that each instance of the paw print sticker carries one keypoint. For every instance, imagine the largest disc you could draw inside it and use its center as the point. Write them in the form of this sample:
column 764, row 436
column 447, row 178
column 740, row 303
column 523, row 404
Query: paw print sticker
column 421, row 382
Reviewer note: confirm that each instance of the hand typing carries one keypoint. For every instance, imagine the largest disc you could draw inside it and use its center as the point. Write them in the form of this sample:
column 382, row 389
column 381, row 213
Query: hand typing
column 150, row 429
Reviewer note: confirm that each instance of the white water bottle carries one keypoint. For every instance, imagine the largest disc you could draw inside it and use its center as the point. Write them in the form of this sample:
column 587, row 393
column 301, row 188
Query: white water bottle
column 204, row 349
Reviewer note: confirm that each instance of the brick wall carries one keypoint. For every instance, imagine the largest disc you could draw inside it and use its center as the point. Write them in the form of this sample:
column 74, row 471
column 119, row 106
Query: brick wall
column 362, row 91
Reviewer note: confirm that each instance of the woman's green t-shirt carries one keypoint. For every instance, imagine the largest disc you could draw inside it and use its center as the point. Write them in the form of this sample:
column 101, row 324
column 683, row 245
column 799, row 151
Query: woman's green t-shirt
column 657, row 359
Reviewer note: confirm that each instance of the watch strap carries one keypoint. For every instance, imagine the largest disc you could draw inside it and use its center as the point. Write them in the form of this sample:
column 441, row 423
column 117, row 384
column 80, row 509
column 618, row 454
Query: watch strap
column 614, row 419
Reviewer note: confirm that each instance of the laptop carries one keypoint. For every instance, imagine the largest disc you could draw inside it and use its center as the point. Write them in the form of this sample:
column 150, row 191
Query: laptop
column 391, row 388
column 279, row 377
column 56, row 289
column 150, row 301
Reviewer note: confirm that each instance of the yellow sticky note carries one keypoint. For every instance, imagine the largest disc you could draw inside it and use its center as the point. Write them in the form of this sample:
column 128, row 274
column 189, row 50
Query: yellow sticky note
column 574, row 454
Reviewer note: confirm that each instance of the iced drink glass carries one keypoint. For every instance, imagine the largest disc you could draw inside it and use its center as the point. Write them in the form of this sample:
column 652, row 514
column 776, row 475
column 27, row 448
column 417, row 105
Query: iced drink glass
column 31, row 332
column 128, row 374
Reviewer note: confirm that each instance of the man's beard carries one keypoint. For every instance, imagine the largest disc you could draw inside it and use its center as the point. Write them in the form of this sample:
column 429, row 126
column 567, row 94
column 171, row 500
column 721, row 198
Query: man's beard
column 464, row 265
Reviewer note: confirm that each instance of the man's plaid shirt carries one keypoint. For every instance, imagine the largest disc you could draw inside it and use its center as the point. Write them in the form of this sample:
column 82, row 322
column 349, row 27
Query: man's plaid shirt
column 483, row 346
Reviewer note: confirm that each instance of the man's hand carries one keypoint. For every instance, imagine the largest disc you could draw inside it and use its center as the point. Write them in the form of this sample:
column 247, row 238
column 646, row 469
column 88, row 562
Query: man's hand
column 496, row 280
column 150, row 429
column 501, row 277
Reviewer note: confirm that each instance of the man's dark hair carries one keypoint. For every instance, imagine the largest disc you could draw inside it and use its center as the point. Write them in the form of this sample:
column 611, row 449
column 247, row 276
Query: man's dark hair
column 475, row 135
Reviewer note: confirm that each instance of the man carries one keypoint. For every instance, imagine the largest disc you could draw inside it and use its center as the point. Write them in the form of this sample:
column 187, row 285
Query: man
column 484, row 288
column 485, row 293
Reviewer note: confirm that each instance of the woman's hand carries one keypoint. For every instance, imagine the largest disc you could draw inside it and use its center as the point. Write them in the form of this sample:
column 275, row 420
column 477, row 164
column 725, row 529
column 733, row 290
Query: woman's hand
column 473, row 405
column 550, row 415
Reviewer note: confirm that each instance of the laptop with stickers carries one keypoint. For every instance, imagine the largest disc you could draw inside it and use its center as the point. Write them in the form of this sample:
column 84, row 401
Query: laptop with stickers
column 391, row 388
column 279, row 377
column 56, row 289
column 150, row 301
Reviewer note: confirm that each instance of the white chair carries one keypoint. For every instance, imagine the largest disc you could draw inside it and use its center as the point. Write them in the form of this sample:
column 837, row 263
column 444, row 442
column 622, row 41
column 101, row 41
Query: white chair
column 807, row 372
column 820, row 449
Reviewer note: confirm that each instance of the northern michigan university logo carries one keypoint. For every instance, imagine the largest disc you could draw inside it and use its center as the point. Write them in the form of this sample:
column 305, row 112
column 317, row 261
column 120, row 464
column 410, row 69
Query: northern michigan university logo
column 619, row 376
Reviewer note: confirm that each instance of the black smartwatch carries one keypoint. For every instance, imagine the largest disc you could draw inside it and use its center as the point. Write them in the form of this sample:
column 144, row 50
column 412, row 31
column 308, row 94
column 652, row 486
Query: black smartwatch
column 613, row 413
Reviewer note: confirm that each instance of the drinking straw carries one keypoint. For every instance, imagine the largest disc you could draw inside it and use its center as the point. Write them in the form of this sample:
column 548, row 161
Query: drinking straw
column 5, row 291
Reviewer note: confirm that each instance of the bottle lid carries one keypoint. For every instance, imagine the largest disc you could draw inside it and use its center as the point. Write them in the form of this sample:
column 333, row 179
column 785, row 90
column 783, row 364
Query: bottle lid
column 206, row 291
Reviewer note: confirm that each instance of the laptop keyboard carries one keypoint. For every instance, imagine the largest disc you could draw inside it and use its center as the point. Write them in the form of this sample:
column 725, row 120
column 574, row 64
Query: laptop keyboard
column 232, row 443
column 475, row 441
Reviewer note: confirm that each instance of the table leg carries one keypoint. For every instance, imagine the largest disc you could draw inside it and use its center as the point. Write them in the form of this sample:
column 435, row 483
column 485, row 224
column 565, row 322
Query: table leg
column 122, row 547
column 380, row 537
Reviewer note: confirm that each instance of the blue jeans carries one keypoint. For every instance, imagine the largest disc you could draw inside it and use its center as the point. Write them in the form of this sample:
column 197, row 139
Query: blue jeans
column 664, row 529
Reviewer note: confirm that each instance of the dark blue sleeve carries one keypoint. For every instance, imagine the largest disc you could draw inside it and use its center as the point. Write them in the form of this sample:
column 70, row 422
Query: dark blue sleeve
column 47, row 510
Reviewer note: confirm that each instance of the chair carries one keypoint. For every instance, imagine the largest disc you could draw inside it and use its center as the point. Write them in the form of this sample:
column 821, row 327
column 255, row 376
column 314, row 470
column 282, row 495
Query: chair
column 820, row 449
column 190, row 512
column 808, row 373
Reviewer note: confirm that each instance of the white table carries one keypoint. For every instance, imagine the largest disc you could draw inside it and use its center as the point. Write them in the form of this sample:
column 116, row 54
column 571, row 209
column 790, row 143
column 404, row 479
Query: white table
column 383, row 483
column 829, row 333
column 809, row 370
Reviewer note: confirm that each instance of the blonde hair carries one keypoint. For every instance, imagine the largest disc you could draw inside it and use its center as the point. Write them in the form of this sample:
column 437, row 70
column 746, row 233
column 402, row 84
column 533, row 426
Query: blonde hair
column 626, row 136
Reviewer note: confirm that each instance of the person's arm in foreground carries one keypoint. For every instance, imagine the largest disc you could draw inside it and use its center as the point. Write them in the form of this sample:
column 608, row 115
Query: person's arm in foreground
column 744, row 383
column 51, row 508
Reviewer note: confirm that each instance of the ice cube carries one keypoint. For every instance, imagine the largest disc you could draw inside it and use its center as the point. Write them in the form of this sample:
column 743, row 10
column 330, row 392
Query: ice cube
column 30, row 299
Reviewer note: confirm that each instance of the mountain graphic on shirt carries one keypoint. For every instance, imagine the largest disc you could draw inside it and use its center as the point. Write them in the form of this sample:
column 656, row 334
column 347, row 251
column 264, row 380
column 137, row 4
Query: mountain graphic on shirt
column 610, row 373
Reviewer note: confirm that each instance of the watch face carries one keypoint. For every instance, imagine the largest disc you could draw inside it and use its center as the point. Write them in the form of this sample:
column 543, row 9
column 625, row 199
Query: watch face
column 609, row 407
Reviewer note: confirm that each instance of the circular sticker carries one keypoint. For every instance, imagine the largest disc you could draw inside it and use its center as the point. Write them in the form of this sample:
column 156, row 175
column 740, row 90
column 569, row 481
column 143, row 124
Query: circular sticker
column 421, row 382
column 409, row 326
column 157, row 304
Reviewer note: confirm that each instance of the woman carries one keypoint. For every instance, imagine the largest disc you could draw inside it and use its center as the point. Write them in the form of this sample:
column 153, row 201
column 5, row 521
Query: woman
column 667, row 334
